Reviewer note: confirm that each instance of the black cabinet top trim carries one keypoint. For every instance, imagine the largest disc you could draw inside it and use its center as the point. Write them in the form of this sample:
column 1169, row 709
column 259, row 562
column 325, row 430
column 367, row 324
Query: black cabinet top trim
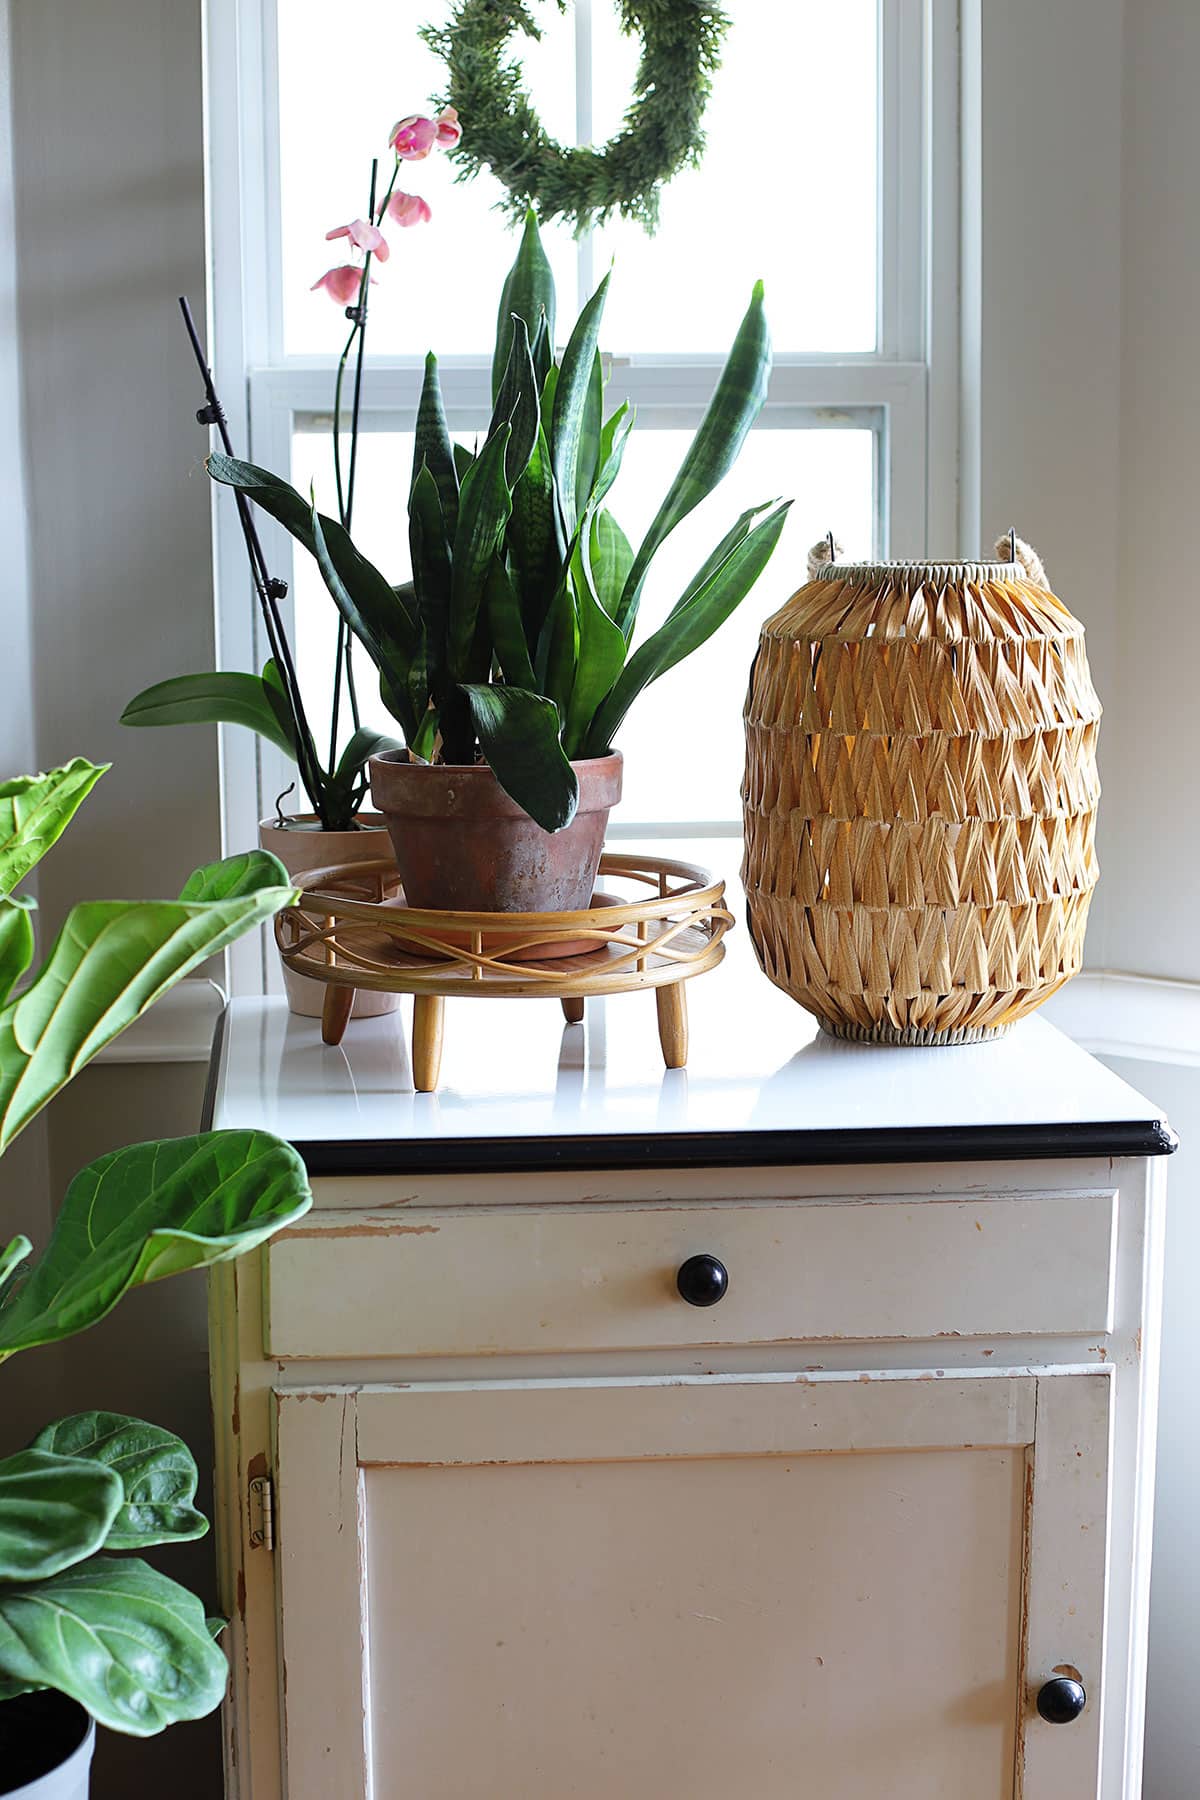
column 738, row 1149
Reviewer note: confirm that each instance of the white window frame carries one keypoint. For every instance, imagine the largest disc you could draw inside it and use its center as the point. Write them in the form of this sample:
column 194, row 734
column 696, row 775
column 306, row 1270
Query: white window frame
column 907, row 390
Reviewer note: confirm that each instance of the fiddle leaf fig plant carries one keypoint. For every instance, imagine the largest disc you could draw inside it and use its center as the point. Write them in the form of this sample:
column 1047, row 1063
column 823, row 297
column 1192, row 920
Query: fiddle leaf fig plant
column 77, row 1611
column 514, row 636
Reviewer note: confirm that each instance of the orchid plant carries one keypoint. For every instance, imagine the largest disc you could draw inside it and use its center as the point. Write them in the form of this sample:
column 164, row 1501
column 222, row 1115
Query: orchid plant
column 271, row 703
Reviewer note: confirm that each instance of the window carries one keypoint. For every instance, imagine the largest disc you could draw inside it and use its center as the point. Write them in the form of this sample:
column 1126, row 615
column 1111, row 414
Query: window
column 816, row 178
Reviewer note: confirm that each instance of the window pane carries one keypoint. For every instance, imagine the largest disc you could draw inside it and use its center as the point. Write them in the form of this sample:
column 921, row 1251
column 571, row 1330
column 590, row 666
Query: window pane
column 683, row 739
column 347, row 72
column 786, row 191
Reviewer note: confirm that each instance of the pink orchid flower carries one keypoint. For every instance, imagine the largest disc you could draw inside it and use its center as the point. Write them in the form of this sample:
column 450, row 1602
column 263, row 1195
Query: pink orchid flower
column 449, row 131
column 363, row 236
column 413, row 137
column 341, row 284
column 408, row 209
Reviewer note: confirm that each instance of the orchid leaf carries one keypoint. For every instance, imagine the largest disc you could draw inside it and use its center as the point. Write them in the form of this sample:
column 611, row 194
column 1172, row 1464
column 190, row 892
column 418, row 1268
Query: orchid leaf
column 215, row 697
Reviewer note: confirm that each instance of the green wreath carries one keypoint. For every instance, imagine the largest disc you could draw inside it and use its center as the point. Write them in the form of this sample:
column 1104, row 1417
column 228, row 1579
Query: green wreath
column 661, row 132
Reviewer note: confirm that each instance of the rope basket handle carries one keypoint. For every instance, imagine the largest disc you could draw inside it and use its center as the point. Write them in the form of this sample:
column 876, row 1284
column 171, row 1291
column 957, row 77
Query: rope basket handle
column 1009, row 548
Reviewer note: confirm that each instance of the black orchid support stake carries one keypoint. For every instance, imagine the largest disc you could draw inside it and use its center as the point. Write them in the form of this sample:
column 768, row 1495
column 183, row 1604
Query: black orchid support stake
column 269, row 588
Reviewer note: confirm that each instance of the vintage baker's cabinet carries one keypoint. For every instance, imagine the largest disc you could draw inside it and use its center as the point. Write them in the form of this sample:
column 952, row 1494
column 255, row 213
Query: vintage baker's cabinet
column 783, row 1425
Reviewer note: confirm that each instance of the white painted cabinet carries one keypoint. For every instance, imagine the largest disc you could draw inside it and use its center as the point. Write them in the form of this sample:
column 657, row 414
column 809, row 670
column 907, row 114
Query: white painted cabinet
column 506, row 1518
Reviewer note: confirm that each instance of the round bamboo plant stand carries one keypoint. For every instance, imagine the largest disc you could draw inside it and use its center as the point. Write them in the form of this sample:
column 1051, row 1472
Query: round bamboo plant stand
column 351, row 930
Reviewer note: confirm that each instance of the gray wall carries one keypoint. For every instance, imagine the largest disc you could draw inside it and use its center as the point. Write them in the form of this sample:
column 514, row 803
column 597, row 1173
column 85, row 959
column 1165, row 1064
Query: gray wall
column 107, row 171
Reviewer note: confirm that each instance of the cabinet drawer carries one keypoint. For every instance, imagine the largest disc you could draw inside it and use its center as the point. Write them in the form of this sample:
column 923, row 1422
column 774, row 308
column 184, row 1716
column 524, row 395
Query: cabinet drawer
column 481, row 1280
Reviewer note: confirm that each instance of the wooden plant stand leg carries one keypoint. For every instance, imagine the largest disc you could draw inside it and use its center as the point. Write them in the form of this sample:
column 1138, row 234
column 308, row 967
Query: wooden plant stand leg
column 429, row 1012
column 573, row 1010
column 335, row 1013
column 673, row 1023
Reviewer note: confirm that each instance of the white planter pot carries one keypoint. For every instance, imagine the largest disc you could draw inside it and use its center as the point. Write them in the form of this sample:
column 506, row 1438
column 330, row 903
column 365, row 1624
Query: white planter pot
column 71, row 1779
column 300, row 846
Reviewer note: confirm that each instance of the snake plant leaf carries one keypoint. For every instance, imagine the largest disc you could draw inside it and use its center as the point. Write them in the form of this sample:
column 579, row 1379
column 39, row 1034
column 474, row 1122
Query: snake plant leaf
column 484, row 506
column 528, row 292
column 534, row 538
column 430, row 553
column 602, row 648
column 113, row 959
column 432, row 448
column 148, row 1211
column 736, row 403
column 591, row 426
column 16, row 941
column 542, row 351
column 736, row 535
column 610, row 558
column 374, row 632
column 685, row 630
column 557, row 658
column 571, row 402
column 215, row 697
column 506, row 628
column 517, row 402
column 129, row 1644
column 613, row 438
column 35, row 810
column 155, row 1472
column 463, row 459
column 55, row 1509
column 519, row 732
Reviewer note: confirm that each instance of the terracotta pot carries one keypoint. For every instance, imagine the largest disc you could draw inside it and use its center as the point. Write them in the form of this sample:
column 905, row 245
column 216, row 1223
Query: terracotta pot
column 300, row 845
column 463, row 845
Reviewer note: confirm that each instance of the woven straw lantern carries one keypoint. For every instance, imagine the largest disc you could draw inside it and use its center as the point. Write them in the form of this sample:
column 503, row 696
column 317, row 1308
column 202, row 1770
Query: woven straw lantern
column 920, row 796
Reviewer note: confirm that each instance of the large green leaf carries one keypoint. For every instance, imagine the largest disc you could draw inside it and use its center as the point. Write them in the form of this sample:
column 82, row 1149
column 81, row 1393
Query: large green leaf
column 529, row 292
column 484, row 506
column 685, row 630
column 735, row 405
column 216, row 697
column 155, row 1472
column 360, row 748
column 129, row 1644
column 55, row 1509
column 16, row 941
column 146, row 1212
column 12, row 1256
column 571, row 402
column 34, row 812
column 113, row 959
column 519, row 734
column 432, row 448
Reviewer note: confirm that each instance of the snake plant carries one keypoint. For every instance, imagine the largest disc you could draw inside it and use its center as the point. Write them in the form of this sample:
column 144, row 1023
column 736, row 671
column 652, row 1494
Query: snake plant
column 77, row 1611
column 515, row 634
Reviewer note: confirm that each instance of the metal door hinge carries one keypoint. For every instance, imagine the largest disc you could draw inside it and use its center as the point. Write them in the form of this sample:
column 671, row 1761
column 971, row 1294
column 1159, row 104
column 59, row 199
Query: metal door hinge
column 262, row 1513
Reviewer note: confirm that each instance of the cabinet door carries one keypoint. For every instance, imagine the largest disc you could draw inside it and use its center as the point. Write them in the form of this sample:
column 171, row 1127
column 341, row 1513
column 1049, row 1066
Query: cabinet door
column 849, row 1587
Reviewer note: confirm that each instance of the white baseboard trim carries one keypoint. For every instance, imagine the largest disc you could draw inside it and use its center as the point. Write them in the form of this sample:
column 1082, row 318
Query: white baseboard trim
column 1146, row 1017
column 178, row 1029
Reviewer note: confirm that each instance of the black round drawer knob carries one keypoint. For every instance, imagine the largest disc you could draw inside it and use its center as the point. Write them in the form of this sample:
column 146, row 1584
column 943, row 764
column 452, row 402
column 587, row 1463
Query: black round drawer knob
column 702, row 1280
column 1061, row 1701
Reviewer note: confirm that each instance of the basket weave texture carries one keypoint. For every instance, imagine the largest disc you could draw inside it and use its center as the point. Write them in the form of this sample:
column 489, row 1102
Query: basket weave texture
column 920, row 799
